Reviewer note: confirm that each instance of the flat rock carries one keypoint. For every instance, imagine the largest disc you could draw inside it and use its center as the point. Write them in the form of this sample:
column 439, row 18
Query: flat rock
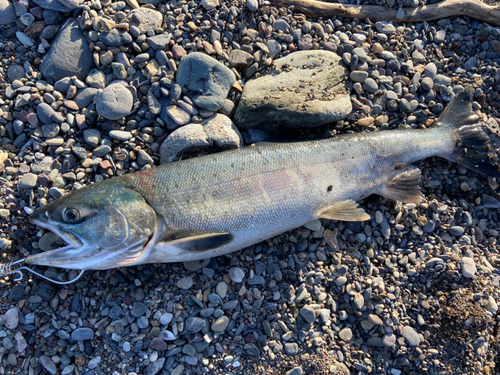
column 186, row 138
column 69, row 54
column 7, row 12
column 114, row 102
column 281, row 99
column 205, row 80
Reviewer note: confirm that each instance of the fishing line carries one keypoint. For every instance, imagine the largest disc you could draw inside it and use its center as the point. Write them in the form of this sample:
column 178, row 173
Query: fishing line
column 11, row 268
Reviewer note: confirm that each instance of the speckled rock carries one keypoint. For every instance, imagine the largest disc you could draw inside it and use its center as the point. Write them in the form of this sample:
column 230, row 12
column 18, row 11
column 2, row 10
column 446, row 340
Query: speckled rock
column 272, row 102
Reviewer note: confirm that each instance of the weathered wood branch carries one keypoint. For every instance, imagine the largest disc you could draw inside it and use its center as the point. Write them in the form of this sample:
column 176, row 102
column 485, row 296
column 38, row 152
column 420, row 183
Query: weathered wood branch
column 448, row 8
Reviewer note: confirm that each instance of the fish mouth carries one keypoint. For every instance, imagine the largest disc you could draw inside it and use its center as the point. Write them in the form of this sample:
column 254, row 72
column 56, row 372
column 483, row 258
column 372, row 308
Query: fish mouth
column 75, row 255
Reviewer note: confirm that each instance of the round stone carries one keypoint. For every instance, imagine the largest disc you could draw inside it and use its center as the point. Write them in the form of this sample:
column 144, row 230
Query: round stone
column 468, row 267
column 345, row 334
column 114, row 102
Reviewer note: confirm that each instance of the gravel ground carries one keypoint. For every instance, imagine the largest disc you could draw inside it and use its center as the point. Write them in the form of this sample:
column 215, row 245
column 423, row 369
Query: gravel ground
column 414, row 290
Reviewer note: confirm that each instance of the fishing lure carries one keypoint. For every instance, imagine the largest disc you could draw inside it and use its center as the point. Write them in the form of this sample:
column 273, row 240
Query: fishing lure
column 15, row 268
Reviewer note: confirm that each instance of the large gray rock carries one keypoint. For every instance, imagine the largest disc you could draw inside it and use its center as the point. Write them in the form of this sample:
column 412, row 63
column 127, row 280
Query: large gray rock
column 311, row 88
column 205, row 80
column 69, row 55
column 7, row 12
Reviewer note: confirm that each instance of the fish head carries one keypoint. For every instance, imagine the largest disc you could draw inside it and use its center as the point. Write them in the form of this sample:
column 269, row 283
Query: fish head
column 105, row 225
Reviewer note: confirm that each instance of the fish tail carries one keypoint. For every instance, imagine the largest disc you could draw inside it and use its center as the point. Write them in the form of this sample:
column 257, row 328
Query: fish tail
column 476, row 146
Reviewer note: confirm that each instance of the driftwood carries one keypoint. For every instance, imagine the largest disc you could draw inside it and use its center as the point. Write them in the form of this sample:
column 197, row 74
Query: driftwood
column 448, row 8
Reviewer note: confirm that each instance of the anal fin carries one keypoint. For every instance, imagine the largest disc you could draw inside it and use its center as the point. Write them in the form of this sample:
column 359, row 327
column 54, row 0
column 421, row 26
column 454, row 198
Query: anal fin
column 199, row 242
column 347, row 210
column 403, row 187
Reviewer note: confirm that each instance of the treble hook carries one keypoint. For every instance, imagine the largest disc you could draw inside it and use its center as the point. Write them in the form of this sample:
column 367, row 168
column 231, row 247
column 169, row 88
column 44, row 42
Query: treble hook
column 11, row 268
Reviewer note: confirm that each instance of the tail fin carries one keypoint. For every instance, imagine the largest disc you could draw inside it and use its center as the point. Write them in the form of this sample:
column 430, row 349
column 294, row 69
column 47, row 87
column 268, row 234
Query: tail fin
column 477, row 146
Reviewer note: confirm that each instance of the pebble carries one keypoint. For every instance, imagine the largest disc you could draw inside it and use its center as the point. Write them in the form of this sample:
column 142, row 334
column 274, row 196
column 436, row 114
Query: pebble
column 411, row 336
column 48, row 364
column 220, row 324
column 468, row 267
column 114, row 102
column 185, row 282
column 345, row 334
column 81, row 334
column 236, row 274
column 308, row 313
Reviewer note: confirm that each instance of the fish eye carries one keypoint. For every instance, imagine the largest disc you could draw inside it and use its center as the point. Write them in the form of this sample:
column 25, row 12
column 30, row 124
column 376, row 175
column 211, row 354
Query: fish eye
column 71, row 215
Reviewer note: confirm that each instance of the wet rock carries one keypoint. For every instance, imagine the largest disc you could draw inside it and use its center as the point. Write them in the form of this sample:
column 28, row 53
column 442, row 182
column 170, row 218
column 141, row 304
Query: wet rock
column 69, row 54
column 205, row 80
column 282, row 99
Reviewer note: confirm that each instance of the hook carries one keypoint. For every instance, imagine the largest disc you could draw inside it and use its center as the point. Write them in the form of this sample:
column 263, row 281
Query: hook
column 10, row 268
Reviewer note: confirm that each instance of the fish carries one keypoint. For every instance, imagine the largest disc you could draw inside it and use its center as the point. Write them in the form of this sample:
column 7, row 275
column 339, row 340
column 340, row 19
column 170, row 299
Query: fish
column 216, row 204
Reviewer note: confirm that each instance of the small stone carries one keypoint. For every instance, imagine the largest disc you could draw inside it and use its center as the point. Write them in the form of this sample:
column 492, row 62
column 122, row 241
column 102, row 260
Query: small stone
column 400, row 14
column 209, row 4
column 48, row 364
column 28, row 181
column 221, row 289
column 12, row 318
column 155, row 367
column 468, row 267
column 158, row 344
column 81, row 334
column 185, row 282
column 345, row 334
column 457, row 231
column 120, row 135
column 291, row 348
column 236, row 274
column 411, row 336
column 194, row 324
column 220, row 324
column 138, row 309
column 358, row 76
column 179, row 115
column 307, row 312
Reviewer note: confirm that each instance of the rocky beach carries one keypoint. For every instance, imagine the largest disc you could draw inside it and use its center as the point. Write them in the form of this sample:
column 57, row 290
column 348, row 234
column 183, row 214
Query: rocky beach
column 90, row 90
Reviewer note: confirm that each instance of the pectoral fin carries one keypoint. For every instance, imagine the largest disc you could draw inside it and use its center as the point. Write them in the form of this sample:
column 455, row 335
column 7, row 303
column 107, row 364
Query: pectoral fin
column 403, row 187
column 199, row 242
column 346, row 211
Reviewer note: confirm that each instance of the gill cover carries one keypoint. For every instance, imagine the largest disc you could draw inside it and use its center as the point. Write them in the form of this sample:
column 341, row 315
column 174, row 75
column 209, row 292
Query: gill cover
column 105, row 225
